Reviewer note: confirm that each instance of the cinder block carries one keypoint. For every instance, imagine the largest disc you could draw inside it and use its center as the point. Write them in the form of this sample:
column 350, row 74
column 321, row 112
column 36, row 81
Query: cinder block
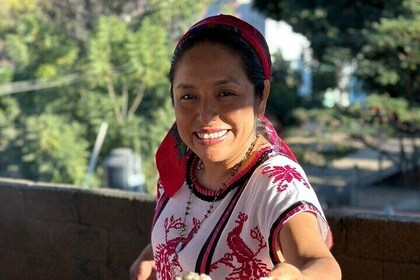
column 125, row 247
column 11, row 233
column 117, row 272
column 144, row 212
column 93, row 244
column 41, row 267
column 64, row 240
column 106, row 212
column 10, row 202
column 49, row 204
column 401, row 242
column 365, row 238
column 394, row 271
column 338, row 229
column 92, row 270
column 82, row 243
column 34, row 237
column 358, row 269
column 10, row 263
column 383, row 239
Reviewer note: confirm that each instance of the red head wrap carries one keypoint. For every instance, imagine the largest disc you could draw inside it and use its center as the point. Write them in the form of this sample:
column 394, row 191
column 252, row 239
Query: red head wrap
column 246, row 31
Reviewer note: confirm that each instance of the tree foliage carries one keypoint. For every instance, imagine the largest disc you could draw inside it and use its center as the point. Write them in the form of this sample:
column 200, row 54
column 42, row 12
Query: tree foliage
column 378, row 118
column 381, row 36
column 283, row 97
column 53, row 149
column 391, row 56
column 117, row 54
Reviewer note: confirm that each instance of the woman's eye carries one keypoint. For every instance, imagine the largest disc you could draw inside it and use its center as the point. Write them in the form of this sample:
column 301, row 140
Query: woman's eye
column 226, row 93
column 187, row 97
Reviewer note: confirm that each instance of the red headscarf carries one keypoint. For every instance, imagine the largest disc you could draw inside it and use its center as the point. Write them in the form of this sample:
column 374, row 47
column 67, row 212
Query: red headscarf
column 172, row 154
column 246, row 31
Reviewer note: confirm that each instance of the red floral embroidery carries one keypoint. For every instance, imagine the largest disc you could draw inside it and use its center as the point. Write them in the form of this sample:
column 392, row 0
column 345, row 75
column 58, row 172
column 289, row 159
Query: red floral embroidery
column 283, row 175
column 165, row 256
column 242, row 260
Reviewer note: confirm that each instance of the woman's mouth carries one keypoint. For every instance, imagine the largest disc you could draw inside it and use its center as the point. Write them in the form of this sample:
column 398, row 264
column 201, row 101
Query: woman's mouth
column 211, row 138
column 212, row 135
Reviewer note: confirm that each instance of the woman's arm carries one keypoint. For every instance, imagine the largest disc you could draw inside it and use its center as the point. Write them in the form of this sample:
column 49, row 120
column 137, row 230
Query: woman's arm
column 144, row 266
column 305, row 253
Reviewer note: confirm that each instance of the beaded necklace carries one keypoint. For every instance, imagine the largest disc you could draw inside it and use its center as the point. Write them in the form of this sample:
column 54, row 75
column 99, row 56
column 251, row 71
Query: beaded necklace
column 235, row 169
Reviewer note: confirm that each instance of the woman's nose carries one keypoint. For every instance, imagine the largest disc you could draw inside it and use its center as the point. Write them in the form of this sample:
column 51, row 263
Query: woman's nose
column 207, row 111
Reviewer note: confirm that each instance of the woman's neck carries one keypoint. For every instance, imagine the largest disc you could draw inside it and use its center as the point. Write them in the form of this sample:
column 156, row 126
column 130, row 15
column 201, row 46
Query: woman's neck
column 212, row 175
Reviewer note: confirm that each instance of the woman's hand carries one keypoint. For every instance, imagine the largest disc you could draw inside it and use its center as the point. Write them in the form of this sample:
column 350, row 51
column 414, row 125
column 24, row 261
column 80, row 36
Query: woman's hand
column 144, row 266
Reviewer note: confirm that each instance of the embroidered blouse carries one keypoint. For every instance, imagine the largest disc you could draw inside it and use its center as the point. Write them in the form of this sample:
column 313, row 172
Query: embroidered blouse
column 239, row 239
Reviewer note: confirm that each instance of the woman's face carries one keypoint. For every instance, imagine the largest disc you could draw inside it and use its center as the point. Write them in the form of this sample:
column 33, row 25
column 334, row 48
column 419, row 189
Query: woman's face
column 215, row 105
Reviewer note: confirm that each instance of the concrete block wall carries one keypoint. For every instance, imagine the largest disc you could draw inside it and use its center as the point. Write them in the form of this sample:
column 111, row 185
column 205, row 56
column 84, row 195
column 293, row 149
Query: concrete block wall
column 63, row 232
column 376, row 246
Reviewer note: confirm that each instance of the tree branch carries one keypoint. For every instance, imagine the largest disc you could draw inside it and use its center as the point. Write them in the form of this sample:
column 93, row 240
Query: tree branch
column 137, row 101
column 124, row 106
column 375, row 148
column 113, row 97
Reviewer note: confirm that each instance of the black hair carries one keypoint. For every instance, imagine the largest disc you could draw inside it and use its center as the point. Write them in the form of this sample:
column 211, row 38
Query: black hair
column 229, row 38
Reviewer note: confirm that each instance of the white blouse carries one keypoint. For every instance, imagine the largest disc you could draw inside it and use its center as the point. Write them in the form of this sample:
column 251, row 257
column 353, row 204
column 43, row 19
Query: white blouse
column 238, row 240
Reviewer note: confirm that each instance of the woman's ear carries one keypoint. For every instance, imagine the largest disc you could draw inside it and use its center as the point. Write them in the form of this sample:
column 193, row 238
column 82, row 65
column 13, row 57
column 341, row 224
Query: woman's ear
column 262, row 103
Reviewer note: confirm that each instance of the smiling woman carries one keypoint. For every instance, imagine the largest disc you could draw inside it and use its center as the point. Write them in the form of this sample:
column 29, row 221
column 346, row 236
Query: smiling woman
column 233, row 203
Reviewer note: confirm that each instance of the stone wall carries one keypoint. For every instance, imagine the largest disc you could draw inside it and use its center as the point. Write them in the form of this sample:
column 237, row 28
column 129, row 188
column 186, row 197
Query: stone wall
column 62, row 232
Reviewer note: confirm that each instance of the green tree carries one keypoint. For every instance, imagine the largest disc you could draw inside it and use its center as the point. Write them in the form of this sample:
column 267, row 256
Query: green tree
column 350, row 30
column 51, row 149
column 283, row 97
column 126, row 64
column 369, row 123
column 78, row 63
column 38, row 52
column 9, row 112
column 389, row 60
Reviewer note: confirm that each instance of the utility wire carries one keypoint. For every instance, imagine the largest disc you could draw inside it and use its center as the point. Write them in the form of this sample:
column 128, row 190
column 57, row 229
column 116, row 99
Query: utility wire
column 39, row 84
column 32, row 85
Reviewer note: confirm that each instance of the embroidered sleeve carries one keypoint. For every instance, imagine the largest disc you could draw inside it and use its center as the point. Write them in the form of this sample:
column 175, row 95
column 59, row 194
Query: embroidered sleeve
column 284, row 191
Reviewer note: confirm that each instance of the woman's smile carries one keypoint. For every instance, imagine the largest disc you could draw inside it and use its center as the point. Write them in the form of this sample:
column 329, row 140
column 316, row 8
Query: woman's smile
column 211, row 137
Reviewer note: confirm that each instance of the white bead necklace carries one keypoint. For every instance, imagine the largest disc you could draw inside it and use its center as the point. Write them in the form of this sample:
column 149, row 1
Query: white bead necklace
column 235, row 169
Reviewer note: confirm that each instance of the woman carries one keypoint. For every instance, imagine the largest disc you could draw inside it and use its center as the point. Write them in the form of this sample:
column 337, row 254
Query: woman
column 232, row 201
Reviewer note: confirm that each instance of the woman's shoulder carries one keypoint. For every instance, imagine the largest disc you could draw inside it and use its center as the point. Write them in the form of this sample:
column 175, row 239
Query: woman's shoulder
column 273, row 157
column 279, row 170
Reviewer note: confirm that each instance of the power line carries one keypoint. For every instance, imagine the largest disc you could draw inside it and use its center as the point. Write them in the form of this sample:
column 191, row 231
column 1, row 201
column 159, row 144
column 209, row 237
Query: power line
column 32, row 85
column 39, row 84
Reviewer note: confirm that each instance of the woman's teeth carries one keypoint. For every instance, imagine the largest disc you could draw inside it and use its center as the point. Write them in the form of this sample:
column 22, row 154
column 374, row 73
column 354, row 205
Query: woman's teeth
column 212, row 135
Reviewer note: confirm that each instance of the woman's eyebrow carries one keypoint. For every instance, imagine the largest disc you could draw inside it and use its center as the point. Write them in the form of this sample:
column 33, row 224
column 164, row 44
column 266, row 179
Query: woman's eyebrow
column 184, row 86
column 228, row 81
column 223, row 81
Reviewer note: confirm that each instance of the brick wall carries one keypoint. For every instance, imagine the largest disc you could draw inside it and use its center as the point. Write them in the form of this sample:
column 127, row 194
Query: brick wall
column 62, row 232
